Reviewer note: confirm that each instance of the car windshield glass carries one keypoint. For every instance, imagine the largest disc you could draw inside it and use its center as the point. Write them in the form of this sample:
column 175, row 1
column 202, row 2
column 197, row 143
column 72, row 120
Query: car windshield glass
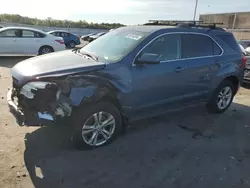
column 115, row 45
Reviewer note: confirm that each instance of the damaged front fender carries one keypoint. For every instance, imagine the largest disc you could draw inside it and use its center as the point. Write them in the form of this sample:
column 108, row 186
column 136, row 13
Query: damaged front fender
column 77, row 95
column 89, row 88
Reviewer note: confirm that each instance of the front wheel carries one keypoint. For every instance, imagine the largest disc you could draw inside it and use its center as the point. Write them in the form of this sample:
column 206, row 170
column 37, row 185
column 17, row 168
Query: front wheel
column 96, row 125
column 222, row 97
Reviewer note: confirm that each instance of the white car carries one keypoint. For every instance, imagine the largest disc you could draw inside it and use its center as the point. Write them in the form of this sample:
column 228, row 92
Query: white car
column 28, row 41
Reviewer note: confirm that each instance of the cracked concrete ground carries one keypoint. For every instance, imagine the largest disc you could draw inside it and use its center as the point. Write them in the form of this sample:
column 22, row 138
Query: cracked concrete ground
column 186, row 149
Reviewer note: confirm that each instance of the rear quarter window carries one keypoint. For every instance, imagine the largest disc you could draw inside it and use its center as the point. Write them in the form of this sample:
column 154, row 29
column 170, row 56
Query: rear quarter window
column 230, row 41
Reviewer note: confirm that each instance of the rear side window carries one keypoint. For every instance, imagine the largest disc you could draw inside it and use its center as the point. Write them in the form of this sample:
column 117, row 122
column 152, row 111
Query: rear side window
column 32, row 34
column 196, row 46
column 230, row 41
column 64, row 34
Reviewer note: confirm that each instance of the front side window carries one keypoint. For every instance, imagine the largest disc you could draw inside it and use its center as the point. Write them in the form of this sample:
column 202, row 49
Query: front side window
column 11, row 33
column 165, row 48
column 115, row 45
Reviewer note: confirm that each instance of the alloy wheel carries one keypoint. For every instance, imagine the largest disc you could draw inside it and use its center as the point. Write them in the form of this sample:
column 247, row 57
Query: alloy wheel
column 224, row 97
column 46, row 50
column 98, row 128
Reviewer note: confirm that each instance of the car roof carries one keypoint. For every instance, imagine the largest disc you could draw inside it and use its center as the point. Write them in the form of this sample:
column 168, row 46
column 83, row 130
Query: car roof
column 24, row 28
column 162, row 28
column 147, row 28
column 58, row 31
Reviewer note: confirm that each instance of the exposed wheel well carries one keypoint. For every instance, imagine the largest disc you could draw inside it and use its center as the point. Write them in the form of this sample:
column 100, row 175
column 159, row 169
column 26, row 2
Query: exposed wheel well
column 113, row 100
column 117, row 104
column 234, row 80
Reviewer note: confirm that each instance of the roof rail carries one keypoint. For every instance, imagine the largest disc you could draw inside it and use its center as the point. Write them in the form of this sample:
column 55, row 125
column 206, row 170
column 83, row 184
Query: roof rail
column 186, row 24
column 170, row 22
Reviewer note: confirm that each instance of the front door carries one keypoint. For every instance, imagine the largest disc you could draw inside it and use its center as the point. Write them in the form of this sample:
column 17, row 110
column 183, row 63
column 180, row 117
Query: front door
column 9, row 41
column 30, row 42
column 159, row 86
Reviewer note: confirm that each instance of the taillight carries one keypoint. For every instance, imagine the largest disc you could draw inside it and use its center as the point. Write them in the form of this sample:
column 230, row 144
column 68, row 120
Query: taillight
column 60, row 41
column 244, row 62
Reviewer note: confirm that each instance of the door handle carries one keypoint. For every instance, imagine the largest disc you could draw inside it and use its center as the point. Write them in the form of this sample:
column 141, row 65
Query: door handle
column 179, row 69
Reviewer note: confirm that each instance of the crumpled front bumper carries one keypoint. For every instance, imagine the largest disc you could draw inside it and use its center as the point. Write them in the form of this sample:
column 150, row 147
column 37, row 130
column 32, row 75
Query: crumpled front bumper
column 27, row 118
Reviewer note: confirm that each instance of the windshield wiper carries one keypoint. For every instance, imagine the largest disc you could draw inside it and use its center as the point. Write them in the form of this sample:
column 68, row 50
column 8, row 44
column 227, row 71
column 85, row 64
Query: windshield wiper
column 86, row 54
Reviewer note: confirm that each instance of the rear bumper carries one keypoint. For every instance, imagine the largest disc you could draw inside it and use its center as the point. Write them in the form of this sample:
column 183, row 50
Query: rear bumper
column 59, row 47
column 27, row 118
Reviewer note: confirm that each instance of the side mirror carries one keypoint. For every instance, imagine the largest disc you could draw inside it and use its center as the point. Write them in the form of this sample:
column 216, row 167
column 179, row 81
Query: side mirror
column 147, row 58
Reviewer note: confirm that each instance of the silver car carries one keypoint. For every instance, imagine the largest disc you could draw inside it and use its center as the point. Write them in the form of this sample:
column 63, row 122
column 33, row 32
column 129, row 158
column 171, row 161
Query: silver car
column 247, row 71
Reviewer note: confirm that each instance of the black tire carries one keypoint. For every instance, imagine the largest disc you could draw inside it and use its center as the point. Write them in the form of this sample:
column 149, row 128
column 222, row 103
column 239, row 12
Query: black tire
column 84, row 113
column 72, row 44
column 45, row 50
column 213, row 105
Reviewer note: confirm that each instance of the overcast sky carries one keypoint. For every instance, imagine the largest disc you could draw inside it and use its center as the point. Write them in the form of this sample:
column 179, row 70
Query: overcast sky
column 123, row 11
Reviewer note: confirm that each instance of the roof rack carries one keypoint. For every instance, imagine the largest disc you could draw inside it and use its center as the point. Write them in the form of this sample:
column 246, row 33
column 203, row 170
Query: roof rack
column 186, row 24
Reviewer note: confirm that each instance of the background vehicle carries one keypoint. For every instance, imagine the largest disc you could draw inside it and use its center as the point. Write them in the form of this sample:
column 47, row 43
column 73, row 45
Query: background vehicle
column 93, row 37
column 70, row 40
column 86, row 37
column 247, row 69
column 28, row 41
column 244, row 43
column 133, row 73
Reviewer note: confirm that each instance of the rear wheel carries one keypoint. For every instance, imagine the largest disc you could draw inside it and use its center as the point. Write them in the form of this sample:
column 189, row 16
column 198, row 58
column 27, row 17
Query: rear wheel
column 45, row 50
column 96, row 125
column 72, row 44
column 222, row 97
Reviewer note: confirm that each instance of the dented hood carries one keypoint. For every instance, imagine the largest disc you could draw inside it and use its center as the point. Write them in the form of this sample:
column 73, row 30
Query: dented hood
column 54, row 64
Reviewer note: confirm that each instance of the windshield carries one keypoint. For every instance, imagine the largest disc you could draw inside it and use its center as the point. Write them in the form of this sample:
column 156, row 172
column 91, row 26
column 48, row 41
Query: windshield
column 114, row 45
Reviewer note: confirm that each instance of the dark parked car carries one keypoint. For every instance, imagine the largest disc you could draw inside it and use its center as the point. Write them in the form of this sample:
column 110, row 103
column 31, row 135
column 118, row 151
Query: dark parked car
column 86, row 37
column 96, row 36
column 70, row 40
column 133, row 73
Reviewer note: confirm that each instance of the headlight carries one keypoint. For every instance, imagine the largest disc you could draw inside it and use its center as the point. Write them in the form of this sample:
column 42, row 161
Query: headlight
column 27, row 89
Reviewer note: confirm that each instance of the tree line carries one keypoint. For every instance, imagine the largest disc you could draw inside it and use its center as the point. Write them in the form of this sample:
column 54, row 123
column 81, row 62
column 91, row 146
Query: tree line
column 49, row 22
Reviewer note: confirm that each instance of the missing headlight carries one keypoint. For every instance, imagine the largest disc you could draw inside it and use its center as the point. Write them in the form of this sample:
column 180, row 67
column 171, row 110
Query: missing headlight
column 30, row 89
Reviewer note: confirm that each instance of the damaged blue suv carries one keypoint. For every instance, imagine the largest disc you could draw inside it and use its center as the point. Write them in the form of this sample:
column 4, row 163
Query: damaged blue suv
column 128, row 74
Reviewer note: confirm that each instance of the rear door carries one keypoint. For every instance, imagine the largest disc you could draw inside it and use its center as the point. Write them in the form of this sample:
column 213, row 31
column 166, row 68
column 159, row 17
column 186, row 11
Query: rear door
column 30, row 42
column 66, row 37
column 200, row 53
